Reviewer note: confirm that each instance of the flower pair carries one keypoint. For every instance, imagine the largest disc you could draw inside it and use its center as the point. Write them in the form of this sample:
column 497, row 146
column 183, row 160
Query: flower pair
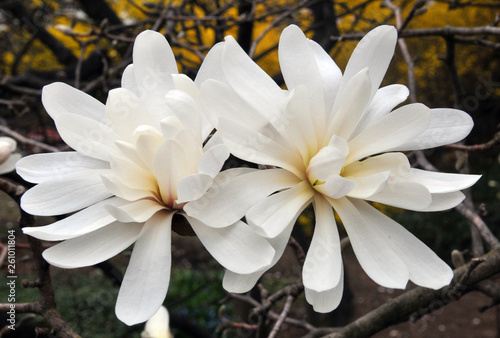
column 329, row 139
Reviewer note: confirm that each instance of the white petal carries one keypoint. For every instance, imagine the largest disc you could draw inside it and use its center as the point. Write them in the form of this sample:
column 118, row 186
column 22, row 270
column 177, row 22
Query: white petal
column 336, row 186
column 299, row 67
column 327, row 162
column 396, row 163
column 271, row 215
column 323, row 264
column 374, row 51
column 87, row 220
column 226, row 202
column 438, row 182
column 146, row 280
column 116, row 187
column 137, row 211
column 239, row 283
column 330, row 72
column 327, row 300
column 128, row 79
column 385, row 99
column 59, row 98
column 94, row 247
column 350, row 104
column 256, row 147
column 446, row 126
column 158, row 325
column 395, row 129
column 444, row 201
column 220, row 100
column 372, row 247
column 366, row 186
column 43, row 167
column 406, row 195
column 186, row 109
column 250, row 81
column 192, row 187
column 425, row 267
column 88, row 137
column 297, row 123
column 169, row 167
column 67, row 194
column 211, row 68
column 236, row 247
column 10, row 164
column 213, row 159
column 154, row 64
column 125, row 112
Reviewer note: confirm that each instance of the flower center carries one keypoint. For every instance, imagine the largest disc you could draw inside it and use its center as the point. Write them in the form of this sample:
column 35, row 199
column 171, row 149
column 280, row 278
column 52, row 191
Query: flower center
column 325, row 168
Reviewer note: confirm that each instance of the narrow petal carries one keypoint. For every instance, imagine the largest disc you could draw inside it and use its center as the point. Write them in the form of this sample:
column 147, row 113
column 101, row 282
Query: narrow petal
column 64, row 195
column 192, row 187
column 438, row 182
column 59, row 98
column 240, row 283
column 146, row 280
column 330, row 72
column 395, row 129
column 327, row 162
column 367, row 186
column 396, row 163
column 128, row 79
column 213, row 159
column 125, row 112
column 299, row 67
column 271, row 215
column 10, row 164
column 250, row 81
column 350, row 105
column 169, row 167
column 256, row 147
column 446, row 126
column 374, row 51
column 236, row 247
column 327, row 300
column 384, row 101
column 137, row 211
column 94, row 247
column 186, row 109
column 43, row 167
column 323, row 264
column 154, row 64
column 424, row 266
column 211, row 68
column 88, row 137
column 336, row 186
column 371, row 247
column 220, row 100
column 297, row 122
column 81, row 223
column 406, row 195
column 444, row 201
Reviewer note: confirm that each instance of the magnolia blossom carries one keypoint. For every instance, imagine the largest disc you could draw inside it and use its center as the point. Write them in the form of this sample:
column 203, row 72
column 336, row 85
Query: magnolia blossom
column 7, row 158
column 139, row 160
column 333, row 140
column 158, row 325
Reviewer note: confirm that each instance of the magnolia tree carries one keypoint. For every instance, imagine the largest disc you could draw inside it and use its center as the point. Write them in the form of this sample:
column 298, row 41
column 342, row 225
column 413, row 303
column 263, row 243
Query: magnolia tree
column 225, row 153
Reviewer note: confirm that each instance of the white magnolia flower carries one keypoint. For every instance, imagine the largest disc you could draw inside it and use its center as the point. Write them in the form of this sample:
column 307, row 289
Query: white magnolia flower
column 7, row 158
column 139, row 159
column 332, row 140
column 158, row 325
